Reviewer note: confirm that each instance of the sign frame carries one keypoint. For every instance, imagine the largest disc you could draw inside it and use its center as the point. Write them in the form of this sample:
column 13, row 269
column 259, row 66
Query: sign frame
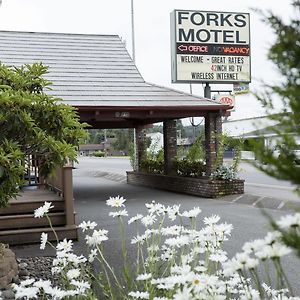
column 175, row 55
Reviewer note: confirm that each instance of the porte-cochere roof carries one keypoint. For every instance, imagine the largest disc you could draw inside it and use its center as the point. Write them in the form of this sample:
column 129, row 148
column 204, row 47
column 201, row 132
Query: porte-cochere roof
column 96, row 74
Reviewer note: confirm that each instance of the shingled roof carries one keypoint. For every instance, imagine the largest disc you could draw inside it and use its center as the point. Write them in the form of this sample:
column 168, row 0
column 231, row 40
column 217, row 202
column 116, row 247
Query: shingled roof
column 91, row 70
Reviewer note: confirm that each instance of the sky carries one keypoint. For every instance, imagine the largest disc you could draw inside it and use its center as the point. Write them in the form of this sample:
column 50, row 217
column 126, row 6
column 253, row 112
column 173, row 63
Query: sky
column 152, row 33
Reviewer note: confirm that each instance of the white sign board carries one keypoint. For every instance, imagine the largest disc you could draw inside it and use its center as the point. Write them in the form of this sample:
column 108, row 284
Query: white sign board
column 210, row 46
column 226, row 99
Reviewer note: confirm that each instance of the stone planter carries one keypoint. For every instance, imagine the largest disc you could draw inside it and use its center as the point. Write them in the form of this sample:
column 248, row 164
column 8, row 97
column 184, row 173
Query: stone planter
column 203, row 187
column 8, row 267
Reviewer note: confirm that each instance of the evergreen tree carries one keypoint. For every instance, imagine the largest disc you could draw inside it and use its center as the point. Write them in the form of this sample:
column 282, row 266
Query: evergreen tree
column 32, row 122
column 285, row 53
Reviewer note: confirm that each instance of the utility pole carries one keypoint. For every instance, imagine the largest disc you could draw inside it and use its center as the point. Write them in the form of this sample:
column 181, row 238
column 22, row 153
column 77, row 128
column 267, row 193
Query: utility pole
column 132, row 32
column 133, row 58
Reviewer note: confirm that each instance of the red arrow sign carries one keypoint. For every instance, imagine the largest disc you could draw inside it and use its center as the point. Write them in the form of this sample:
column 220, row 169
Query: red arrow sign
column 182, row 48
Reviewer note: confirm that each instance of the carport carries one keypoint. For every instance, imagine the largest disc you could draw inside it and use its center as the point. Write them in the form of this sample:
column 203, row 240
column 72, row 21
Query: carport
column 96, row 75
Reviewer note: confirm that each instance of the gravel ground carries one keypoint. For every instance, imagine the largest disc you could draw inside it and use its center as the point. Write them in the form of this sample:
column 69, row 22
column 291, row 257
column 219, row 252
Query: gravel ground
column 31, row 267
column 37, row 267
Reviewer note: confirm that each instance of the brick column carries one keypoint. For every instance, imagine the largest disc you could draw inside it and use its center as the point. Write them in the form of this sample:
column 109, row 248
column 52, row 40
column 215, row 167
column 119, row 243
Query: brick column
column 213, row 129
column 170, row 145
column 140, row 146
column 218, row 130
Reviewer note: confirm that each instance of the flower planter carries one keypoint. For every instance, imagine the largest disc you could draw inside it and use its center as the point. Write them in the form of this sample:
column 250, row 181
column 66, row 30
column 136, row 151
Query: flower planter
column 203, row 187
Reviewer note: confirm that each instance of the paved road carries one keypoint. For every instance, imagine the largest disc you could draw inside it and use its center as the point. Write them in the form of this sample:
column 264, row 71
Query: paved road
column 96, row 180
column 260, row 189
column 91, row 193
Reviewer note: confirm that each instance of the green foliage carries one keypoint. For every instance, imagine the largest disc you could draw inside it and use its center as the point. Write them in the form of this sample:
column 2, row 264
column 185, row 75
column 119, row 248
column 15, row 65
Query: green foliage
column 196, row 152
column 98, row 153
column 225, row 143
column 224, row 173
column 191, row 166
column 152, row 166
column 188, row 168
column 285, row 54
column 124, row 139
column 11, row 171
column 32, row 122
column 153, row 162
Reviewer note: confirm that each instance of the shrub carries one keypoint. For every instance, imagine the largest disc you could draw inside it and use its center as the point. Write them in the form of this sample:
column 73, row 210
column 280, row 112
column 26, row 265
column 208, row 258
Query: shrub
column 99, row 153
column 188, row 168
column 152, row 166
column 224, row 173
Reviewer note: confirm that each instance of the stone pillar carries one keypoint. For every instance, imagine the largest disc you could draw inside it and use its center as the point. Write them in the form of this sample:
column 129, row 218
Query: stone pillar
column 213, row 130
column 170, row 145
column 140, row 146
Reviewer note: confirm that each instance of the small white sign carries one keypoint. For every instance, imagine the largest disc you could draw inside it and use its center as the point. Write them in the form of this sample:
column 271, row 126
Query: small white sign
column 227, row 100
column 210, row 46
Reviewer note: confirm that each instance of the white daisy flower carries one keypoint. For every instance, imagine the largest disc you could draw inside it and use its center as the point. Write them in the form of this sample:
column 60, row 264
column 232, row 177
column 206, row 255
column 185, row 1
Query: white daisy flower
column 44, row 239
column 184, row 294
column 145, row 276
column 42, row 284
column 118, row 213
column 172, row 230
column 26, row 292
column 115, row 201
column 65, row 245
column 155, row 208
column 57, row 293
column 41, row 211
column 27, row 282
column 135, row 218
column 73, row 273
column 148, row 220
column 218, row 257
column 138, row 239
column 139, row 295
column 81, row 286
column 289, row 221
column 278, row 250
column 211, row 220
column 87, row 225
column 178, row 241
column 173, row 212
column 193, row 213
column 97, row 237
column 93, row 255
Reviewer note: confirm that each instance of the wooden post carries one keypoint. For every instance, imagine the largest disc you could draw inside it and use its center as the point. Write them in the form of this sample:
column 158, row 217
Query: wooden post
column 68, row 194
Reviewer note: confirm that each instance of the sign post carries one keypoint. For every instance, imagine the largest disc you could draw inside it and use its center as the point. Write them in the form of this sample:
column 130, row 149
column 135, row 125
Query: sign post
column 210, row 47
